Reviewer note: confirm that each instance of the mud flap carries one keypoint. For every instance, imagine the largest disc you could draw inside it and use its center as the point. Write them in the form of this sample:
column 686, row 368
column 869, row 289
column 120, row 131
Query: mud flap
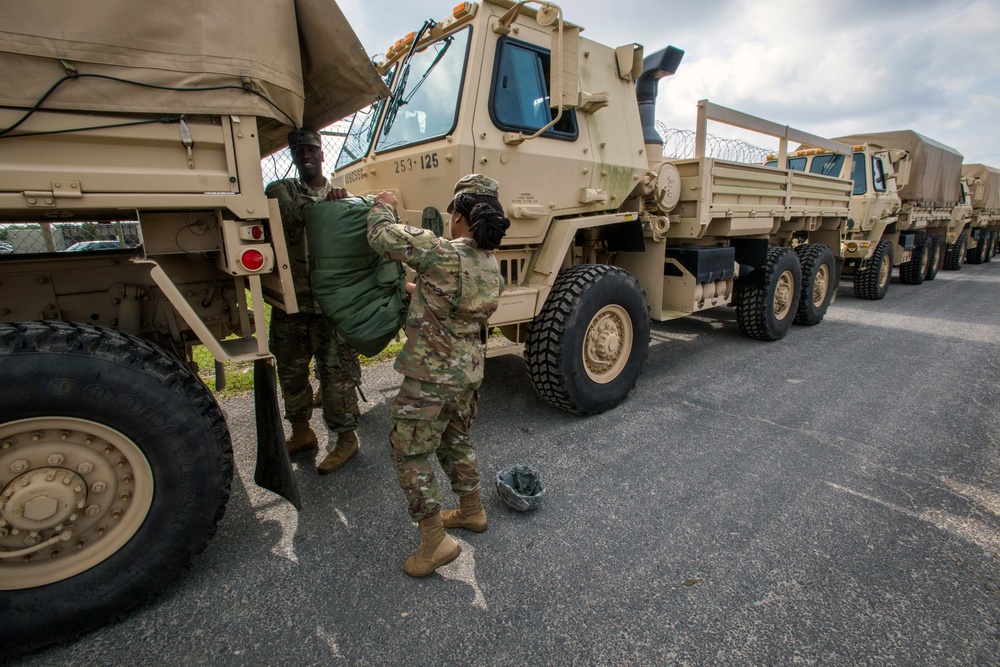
column 274, row 470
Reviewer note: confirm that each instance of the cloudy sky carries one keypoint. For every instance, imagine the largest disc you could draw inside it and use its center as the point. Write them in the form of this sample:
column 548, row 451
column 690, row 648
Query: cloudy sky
column 829, row 67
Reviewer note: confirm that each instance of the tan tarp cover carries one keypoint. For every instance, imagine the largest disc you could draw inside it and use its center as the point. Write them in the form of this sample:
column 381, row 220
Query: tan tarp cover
column 990, row 176
column 935, row 169
column 300, row 54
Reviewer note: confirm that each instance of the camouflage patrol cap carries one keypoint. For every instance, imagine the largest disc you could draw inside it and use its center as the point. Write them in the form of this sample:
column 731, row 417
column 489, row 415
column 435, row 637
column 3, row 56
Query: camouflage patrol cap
column 304, row 137
column 475, row 184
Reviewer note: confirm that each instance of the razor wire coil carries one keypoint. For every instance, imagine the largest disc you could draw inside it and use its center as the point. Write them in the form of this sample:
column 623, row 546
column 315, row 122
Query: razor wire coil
column 681, row 143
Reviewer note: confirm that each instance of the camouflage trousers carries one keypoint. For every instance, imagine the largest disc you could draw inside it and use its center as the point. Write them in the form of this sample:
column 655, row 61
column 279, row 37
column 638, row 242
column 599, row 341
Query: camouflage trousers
column 295, row 340
column 427, row 419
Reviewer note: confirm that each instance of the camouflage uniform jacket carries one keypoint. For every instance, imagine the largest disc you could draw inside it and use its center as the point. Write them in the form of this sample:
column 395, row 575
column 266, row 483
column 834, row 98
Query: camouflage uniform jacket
column 458, row 288
column 293, row 197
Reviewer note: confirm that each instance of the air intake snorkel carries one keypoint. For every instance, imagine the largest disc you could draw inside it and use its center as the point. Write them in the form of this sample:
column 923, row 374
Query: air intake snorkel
column 662, row 63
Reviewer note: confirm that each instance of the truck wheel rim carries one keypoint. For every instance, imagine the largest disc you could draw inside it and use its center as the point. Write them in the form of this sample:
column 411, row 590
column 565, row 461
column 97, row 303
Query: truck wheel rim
column 884, row 270
column 783, row 292
column 608, row 344
column 821, row 285
column 72, row 493
column 925, row 261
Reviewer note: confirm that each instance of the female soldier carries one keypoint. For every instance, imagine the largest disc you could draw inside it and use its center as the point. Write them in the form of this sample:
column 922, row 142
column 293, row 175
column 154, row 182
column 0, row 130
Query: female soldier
column 457, row 289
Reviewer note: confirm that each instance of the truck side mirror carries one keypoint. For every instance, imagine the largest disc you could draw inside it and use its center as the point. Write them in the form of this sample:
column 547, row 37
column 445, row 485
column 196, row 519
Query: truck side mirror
column 901, row 167
column 564, row 73
column 978, row 190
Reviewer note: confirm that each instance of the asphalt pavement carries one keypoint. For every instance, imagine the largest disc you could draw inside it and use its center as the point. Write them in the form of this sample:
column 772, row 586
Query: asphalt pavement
column 832, row 498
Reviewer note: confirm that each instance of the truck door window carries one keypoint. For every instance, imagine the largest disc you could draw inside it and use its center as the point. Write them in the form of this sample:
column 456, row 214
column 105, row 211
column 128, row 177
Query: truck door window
column 519, row 99
column 827, row 165
column 858, row 174
column 424, row 103
column 878, row 175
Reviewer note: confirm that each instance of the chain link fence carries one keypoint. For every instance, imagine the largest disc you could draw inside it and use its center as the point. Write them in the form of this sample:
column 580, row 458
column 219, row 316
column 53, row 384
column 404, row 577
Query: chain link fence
column 43, row 237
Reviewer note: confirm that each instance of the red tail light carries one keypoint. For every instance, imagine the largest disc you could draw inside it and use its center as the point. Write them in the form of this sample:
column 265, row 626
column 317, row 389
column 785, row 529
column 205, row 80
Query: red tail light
column 252, row 260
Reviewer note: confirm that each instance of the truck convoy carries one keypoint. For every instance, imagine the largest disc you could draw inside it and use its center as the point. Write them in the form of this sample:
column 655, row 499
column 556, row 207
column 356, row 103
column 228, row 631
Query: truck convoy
column 910, row 207
column 115, row 461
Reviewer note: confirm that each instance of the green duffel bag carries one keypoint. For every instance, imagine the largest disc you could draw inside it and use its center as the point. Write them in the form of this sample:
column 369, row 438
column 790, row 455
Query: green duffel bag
column 362, row 295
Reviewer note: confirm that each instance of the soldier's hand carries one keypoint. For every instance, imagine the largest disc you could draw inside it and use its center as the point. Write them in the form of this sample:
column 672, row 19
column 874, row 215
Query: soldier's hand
column 386, row 197
column 338, row 193
column 409, row 288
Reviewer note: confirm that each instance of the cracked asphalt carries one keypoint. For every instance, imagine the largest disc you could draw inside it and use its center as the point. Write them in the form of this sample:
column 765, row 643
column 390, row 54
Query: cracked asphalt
column 829, row 499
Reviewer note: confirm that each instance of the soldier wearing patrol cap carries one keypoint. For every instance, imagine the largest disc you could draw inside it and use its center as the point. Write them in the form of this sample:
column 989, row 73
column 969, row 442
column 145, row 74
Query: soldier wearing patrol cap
column 296, row 339
column 458, row 288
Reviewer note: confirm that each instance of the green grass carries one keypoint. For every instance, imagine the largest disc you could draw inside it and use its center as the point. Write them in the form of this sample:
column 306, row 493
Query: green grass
column 239, row 376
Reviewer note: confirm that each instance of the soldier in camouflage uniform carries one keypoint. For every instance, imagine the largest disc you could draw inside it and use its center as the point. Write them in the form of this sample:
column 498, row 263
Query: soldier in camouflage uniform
column 458, row 288
column 296, row 339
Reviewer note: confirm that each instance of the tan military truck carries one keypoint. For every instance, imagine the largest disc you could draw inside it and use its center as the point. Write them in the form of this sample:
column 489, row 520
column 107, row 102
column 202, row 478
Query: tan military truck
column 909, row 207
column 115, row 460
column 605, row 233
column 984, row 187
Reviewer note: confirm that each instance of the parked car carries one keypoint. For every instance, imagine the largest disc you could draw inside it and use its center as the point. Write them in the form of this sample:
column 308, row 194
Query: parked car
column 6, row 248
column 95, row 245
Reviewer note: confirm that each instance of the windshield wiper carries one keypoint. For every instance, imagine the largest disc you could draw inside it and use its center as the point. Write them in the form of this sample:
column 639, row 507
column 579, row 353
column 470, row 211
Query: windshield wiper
column 396, row 97
column 444, row 49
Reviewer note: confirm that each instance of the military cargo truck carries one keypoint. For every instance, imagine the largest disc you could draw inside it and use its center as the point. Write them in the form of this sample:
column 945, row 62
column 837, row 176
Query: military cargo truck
column 984, row 186
column 909, row 207
column 115, row 460
column 606, row 233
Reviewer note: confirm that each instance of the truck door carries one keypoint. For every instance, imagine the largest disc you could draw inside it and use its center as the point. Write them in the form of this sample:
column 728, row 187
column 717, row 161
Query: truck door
column 537, row 177
column 882, row 199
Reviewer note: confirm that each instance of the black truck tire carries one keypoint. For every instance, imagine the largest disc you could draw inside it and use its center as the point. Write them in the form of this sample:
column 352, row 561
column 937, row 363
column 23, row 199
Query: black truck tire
column 936, row 257
column 586, row 349
column 977, row 255
column 117, row 459
column 914, row 271
column 818, row 282
column 954, row 257
column 873, row 282
column 767, row 312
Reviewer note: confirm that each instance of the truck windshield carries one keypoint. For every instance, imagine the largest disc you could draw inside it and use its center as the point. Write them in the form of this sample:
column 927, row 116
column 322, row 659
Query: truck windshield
column 424, row 104
column 828, row 165
column 359, row 136
column 794, row 163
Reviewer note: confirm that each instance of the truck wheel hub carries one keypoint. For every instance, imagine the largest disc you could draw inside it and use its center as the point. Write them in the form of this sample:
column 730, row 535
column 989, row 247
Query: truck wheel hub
column 783, row 295
column 820, row 286
column 607, row 345
column 78, row 492
column 42, row 498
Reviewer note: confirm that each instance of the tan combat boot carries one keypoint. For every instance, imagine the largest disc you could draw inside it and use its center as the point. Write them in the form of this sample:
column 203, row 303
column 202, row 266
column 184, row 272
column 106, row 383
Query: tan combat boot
column 345, row 449
column 303, row 438
column 437, row 548
column 470, row 515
